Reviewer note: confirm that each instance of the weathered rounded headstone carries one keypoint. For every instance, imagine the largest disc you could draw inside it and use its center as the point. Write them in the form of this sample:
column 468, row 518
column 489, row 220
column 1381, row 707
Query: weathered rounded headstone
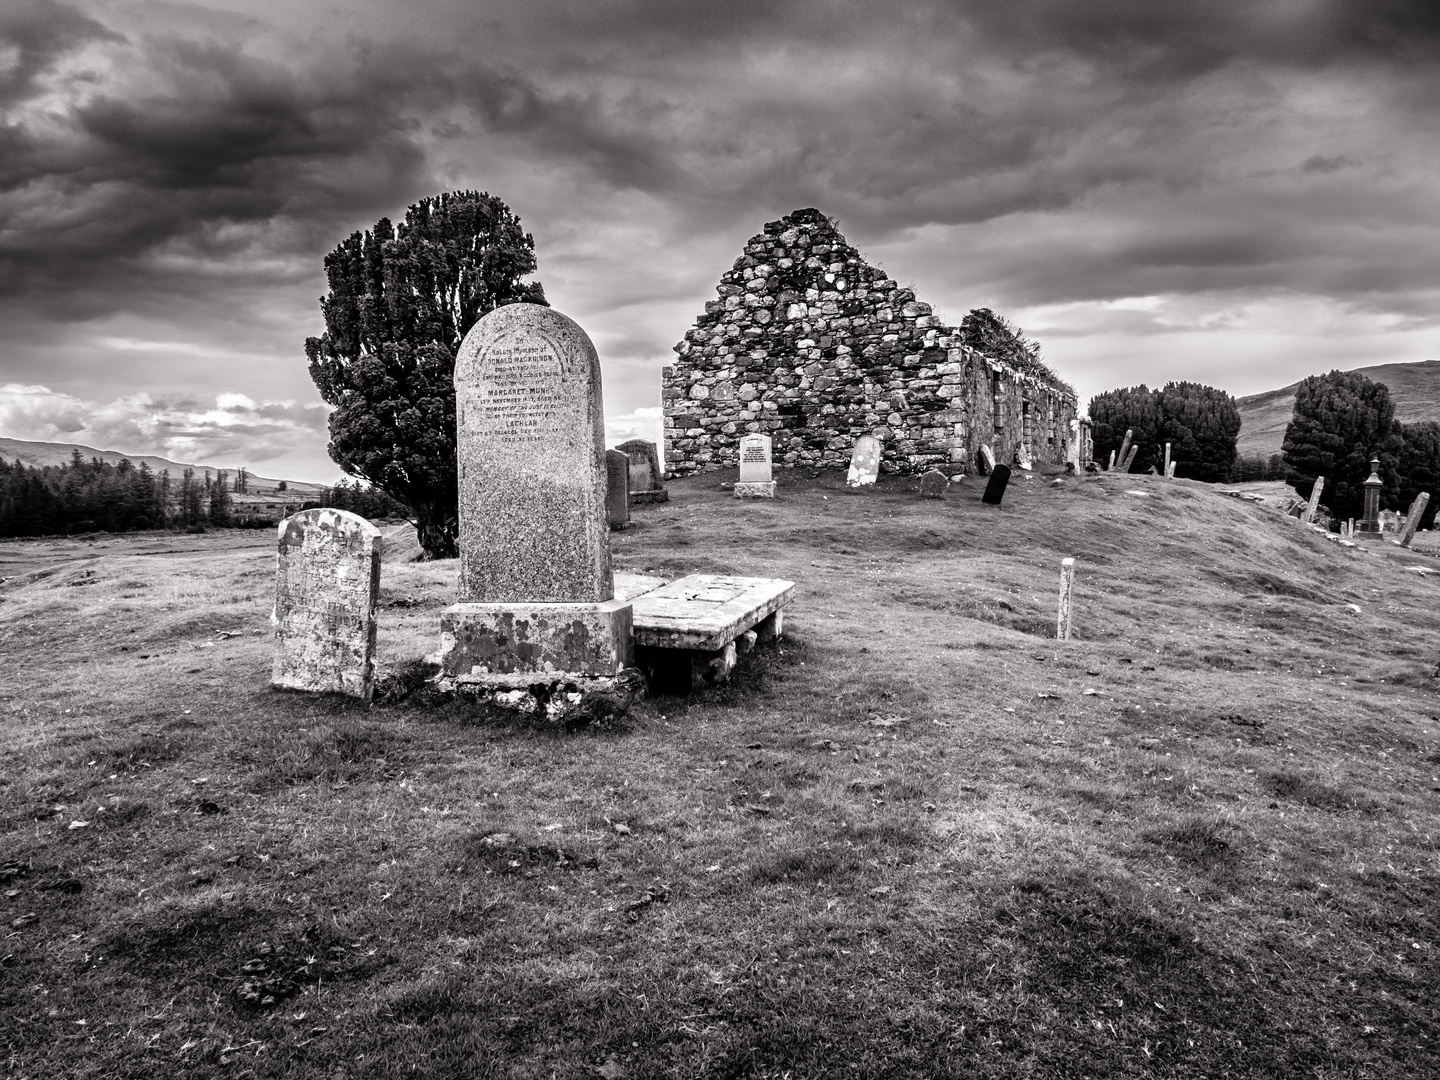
column 644, row 465
column 530, row 448
column 934, row 484
column 326, row 583
column 536, row 584
column 864, row 461
column 995, row 489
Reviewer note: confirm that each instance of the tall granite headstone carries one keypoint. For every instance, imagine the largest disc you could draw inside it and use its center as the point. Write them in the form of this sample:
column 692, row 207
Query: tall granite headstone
column 864, row 461
column 536, row 584
column 326, row 582
column 995, row 489
column 617, row 488
column 756, row 478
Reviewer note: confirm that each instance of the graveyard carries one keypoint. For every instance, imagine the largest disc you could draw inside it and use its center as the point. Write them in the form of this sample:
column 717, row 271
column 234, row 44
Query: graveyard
column 916, row 836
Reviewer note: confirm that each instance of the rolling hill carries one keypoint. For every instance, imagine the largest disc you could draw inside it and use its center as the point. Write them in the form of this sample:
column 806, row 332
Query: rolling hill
column 1415, row 389
column 40, row 454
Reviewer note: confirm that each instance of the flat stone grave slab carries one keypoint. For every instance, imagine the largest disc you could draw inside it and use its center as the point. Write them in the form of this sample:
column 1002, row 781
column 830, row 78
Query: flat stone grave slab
column 690, row 633
column 629, row 586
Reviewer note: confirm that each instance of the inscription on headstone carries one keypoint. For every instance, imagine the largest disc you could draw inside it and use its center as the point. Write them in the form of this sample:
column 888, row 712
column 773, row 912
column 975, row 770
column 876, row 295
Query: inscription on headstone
column 995, row 489
column 617, row 488
column 864, row 461
column 326, row 583
column 531, row 458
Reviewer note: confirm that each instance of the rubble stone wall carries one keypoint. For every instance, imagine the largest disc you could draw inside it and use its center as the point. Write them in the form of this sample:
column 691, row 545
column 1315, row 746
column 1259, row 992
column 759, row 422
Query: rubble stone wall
column 808, row 343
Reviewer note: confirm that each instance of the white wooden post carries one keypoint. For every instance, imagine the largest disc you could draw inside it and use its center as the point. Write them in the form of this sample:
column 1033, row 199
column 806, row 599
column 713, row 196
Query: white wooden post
column 1067, row 582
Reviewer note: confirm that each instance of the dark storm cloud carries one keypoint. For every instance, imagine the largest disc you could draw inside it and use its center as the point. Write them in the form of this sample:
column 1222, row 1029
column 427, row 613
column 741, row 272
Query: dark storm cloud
column 158, row 163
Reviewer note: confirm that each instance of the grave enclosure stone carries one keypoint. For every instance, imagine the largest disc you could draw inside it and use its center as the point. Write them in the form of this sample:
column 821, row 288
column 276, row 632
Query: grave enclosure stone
column 756, row 476
column 864, row 461
column 934, row 484
column 617, row 488
column 536, row 581
column 646, row 484
column 326, row 583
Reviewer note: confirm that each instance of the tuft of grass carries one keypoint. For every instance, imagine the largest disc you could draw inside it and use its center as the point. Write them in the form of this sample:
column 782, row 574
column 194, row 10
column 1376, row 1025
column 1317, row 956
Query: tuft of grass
column 1310, row 790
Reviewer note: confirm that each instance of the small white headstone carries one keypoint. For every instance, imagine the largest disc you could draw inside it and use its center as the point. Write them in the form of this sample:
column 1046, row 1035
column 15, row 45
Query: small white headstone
column 755, row 459
column 864, row 462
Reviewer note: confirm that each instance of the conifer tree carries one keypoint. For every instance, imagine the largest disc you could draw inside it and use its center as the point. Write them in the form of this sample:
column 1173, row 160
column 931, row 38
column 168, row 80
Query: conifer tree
column 1341, row 421
column 400, row 302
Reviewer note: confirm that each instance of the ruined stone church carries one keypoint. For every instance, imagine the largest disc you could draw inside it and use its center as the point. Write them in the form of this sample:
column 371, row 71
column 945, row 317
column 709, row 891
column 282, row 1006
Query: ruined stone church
column 811, row 345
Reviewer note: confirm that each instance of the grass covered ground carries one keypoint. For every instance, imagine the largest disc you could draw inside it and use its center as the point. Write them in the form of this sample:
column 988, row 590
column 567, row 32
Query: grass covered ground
column 921, row 838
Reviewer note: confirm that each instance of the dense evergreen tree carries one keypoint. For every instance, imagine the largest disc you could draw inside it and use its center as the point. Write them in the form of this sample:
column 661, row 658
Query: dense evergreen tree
column 1134, row 408
column 400, row 302
column 1341, row 421
column 1201, row 425
column 1200, row 422
column 1419, row 468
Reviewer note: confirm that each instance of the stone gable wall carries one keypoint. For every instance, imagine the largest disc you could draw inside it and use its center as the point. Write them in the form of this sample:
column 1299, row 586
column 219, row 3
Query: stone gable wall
column 811, row 345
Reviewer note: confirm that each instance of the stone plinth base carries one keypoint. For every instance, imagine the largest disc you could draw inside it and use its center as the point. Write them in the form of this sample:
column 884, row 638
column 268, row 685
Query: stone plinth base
column 755, row 489
column 659, row 495
column 520, row 645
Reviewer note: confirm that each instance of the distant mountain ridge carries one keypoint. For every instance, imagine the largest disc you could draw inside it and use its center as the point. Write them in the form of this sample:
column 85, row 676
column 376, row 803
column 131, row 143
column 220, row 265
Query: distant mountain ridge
column 41, row 454
column 1414, row 388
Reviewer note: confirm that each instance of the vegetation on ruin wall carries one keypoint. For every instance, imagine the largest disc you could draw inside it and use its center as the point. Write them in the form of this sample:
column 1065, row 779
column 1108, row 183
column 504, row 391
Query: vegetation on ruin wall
column 997, row 337
column 401, row 300
column 1199, row 422
column 96, row 496
column 907, row 843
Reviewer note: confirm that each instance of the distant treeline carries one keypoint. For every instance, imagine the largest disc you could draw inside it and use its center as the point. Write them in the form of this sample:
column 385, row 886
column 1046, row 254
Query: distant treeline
column 95, row 496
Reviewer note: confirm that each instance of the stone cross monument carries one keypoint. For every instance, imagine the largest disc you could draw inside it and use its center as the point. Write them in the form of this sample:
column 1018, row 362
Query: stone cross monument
column 536, row 586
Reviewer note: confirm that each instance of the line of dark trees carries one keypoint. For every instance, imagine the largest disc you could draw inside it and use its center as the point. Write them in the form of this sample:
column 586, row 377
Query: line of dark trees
column 96, row 496
column 1199, row 422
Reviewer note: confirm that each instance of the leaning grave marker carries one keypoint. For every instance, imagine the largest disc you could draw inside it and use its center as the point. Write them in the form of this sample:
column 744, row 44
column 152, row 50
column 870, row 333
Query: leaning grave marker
column 756, row 478
column 995, row 489
column 326, row 583
column 864, row 461
column 536, row 584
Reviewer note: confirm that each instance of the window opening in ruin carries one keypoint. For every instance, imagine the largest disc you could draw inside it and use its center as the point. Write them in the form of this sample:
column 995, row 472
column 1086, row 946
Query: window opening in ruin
column 1050, row 426
column 1027, row 423
column 999, row 398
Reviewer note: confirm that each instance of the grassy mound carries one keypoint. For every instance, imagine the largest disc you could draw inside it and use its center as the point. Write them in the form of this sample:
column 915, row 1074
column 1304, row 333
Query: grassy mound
column 919, row 838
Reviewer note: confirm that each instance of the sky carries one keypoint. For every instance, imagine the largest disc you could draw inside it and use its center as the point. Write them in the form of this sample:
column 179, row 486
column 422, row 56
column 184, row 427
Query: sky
column 1235, row 192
